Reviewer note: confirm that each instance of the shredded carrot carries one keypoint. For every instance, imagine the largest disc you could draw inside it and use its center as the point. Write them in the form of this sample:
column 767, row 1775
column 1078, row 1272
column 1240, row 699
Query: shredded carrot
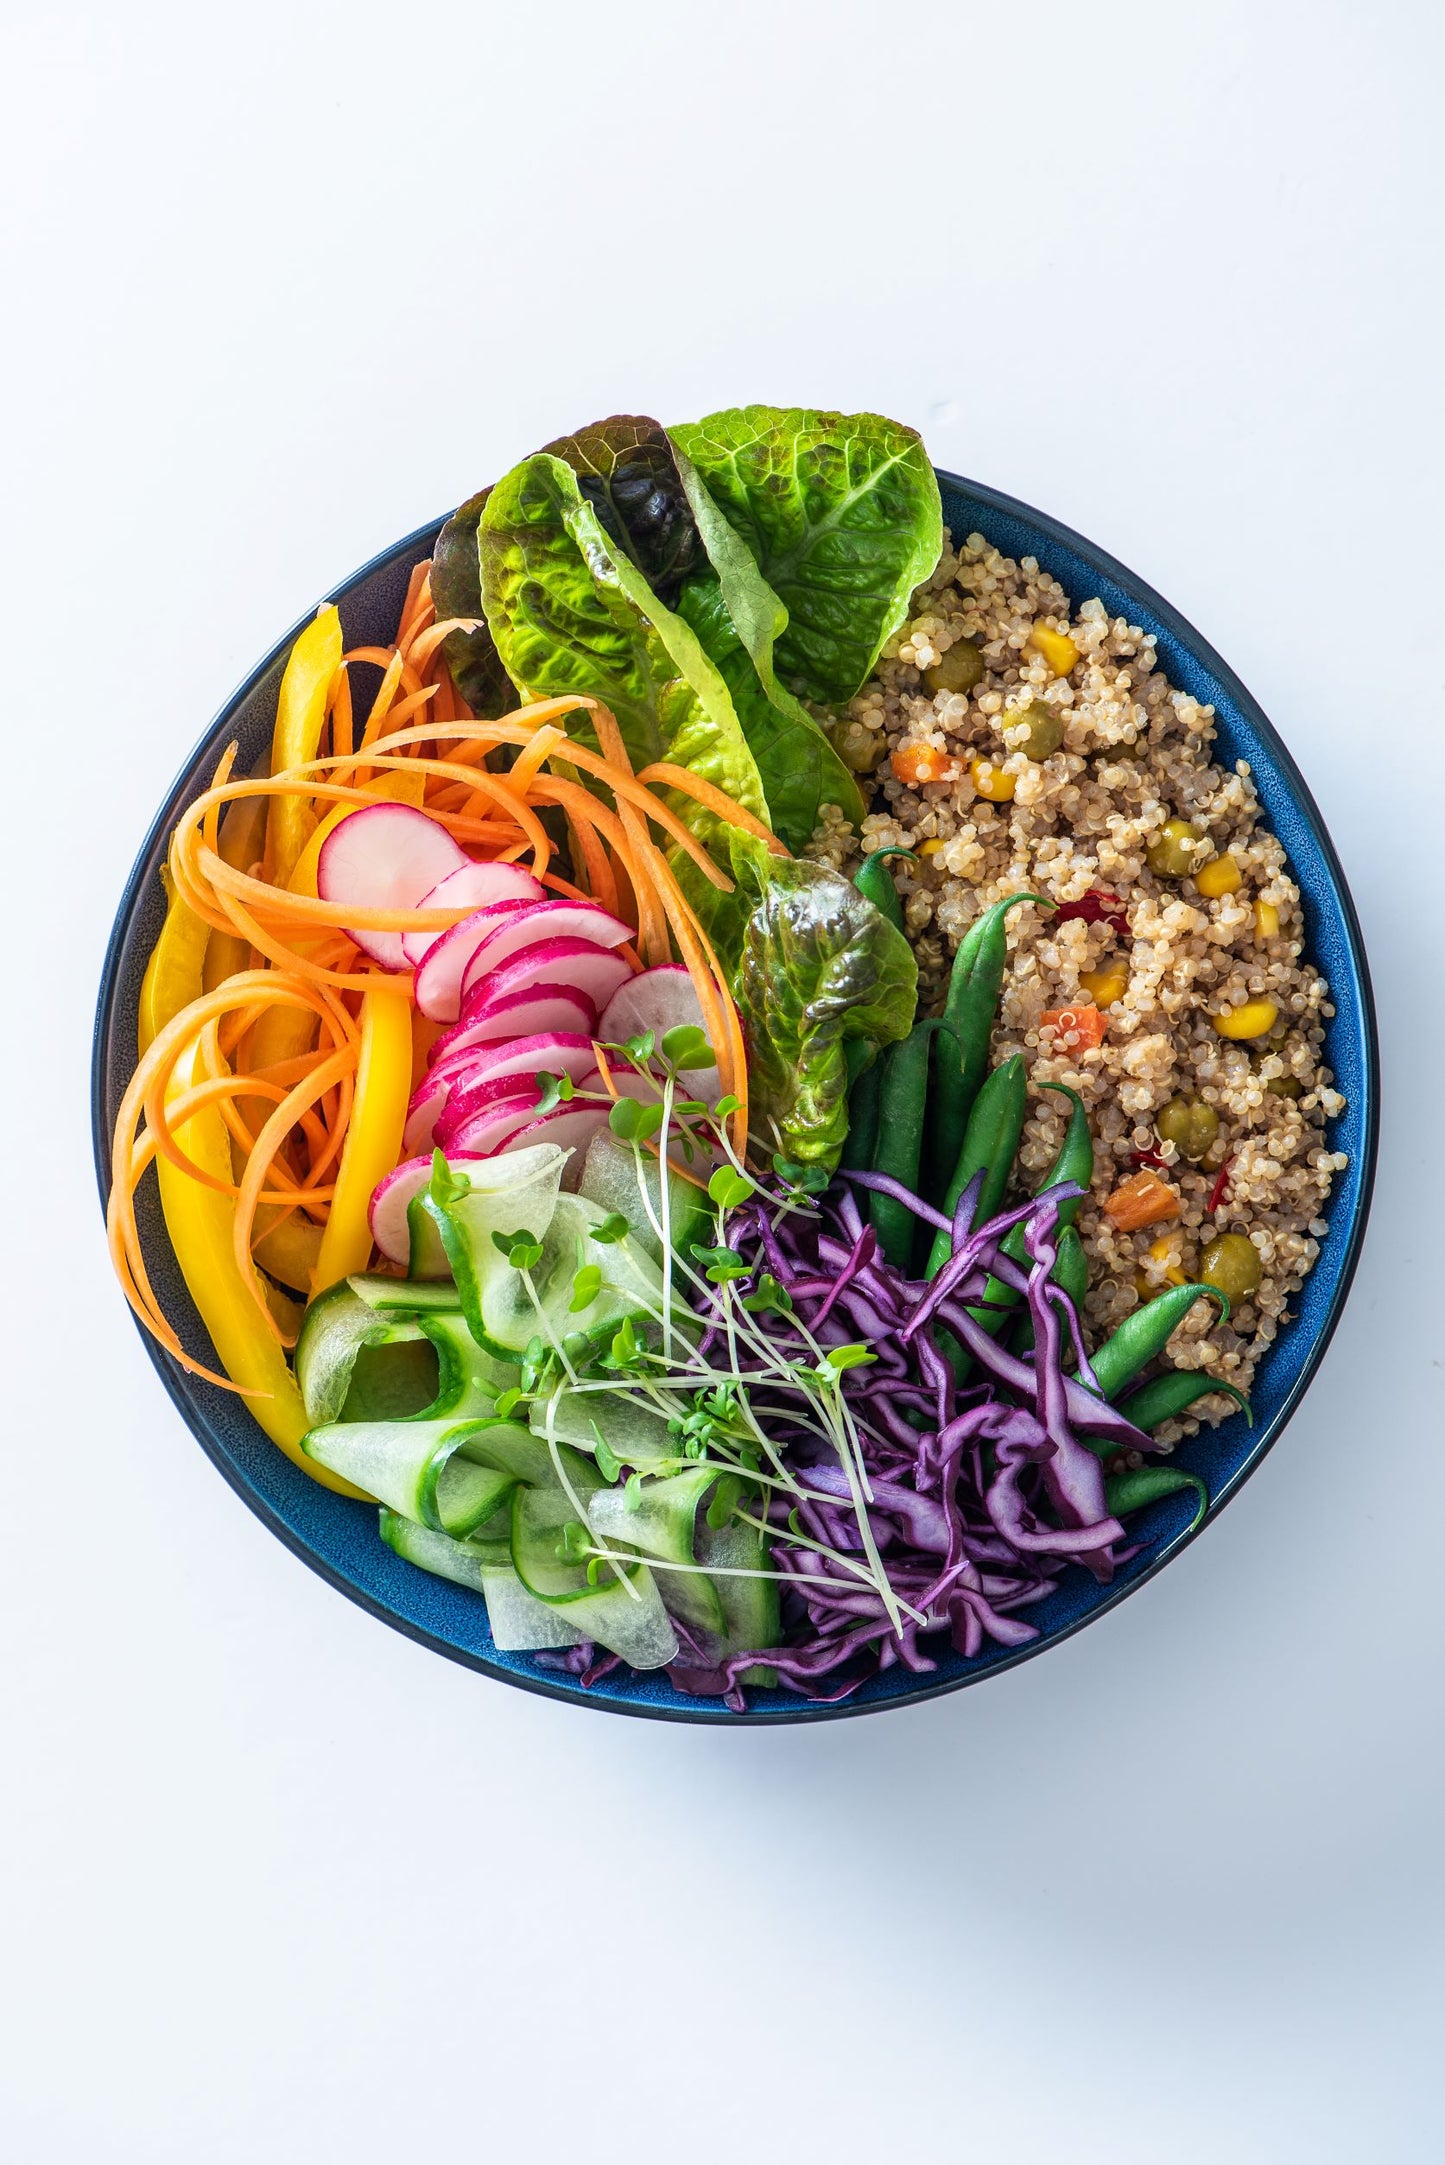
column 713, row 798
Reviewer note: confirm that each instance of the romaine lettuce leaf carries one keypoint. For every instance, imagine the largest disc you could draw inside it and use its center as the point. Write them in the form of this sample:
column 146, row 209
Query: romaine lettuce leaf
column 841, row 513
column 819, row 966
column 471, row 656
column 798, row 767
column 571, row 612
column 627, row 470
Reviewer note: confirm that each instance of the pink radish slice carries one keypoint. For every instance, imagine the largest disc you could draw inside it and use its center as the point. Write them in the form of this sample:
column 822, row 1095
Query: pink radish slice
column 477, row 1098
column 572, row 1126
column 452, row 1091
column 492, row 1129
column 551, row 1052
column 471, row 887
column 595, row 971
column 427, row 1100
column 387, row 1212
column 385, row 857
column 543, row 921
column 660, row 1000
column 465, row 1106
column 439, row 976
column 517, row 1014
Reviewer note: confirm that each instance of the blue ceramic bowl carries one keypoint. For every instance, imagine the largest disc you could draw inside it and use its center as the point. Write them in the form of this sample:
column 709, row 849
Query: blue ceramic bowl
column 339, row 1538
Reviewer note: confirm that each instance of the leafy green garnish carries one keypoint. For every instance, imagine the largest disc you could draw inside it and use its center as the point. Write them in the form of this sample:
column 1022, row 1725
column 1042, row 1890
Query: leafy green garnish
column 819, row 966
column 445, row 1185
column 841, row 513
column 633, row 1121
column 769, row 1297
column 687, row 1047
column 614, row 1227
column 586, row 1286
column 729, row 1188
column 553, row 1090
column 523, row 1250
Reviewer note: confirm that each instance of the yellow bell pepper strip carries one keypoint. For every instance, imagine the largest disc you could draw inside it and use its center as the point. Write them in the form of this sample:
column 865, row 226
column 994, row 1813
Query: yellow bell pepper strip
column 289, row 1251
column 373, row 1137
column 173, row 974
column 198, row 1220
column 300, row 713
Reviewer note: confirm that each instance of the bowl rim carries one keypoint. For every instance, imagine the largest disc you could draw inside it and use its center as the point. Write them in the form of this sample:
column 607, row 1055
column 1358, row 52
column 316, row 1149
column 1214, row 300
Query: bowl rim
column 706, row 1712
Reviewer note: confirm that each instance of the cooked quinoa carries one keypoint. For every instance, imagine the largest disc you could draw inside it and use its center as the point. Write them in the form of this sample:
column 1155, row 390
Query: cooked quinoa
column 1134, row 753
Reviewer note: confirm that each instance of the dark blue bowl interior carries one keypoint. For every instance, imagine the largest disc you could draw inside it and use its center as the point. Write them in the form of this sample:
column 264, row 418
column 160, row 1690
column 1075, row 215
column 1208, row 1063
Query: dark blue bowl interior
column 339, row 1538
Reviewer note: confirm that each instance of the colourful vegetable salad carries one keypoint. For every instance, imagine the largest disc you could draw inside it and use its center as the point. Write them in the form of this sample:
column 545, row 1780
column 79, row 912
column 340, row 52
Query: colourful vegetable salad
column 556, row 1157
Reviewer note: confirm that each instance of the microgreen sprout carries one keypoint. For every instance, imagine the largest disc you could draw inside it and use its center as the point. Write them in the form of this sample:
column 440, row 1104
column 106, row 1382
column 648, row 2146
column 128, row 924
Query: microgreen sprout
column 523, row 1250
column 552, row 1091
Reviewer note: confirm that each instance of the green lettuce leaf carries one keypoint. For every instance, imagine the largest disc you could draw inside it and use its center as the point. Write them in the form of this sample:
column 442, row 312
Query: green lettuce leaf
column 571, row 612
column 471, row 656
column 627, row 470
column 798, row 767
column 819, row 967
column 841, row 513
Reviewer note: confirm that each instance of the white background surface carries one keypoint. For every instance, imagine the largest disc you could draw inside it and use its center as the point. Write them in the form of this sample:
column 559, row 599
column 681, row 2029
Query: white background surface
column 282, row 282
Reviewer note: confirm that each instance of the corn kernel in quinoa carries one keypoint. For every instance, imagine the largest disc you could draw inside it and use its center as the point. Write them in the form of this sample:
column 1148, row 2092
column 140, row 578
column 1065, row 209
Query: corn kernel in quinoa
column 1057, row 648
column 1221, row 876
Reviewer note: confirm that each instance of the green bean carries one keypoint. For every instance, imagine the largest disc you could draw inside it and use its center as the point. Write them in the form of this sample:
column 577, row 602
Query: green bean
column 1075, row 1162
column 862, row 1116
column 1164, row 1398
column 1142, row 1336
column 902, row 1094
column 973, row 996
column 989, row 1143
column 875, row 883
column 1150, row 1484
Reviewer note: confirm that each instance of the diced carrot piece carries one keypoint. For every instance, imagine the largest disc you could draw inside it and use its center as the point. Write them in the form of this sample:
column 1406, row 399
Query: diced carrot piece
column 1144, row 1199
column 1080, row 1028
column 915, row 763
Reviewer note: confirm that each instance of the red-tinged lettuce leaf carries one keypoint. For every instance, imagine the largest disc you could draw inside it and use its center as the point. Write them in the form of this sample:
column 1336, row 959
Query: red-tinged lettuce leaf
column 818, row 966
column 456, row 587
column 627, row 472
column 841, row 513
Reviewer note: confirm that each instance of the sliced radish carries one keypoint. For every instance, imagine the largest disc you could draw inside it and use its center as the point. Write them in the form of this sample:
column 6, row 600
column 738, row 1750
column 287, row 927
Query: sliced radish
column 453, row 1091
column 595, row 971
column 561, row 920
column 471, row 887
column 385, row 857
column 551, row 1052
column 572, row 1126
column 390, row 1197
column 660, row 1000
column 427, row 1100
column 492, row 1129
column 439, row 977
column 468, row 1104
column 517, row 1014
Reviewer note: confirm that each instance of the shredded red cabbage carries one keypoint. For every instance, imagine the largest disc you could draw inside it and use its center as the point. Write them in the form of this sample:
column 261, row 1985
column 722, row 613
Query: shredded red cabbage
column 980, row 1495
